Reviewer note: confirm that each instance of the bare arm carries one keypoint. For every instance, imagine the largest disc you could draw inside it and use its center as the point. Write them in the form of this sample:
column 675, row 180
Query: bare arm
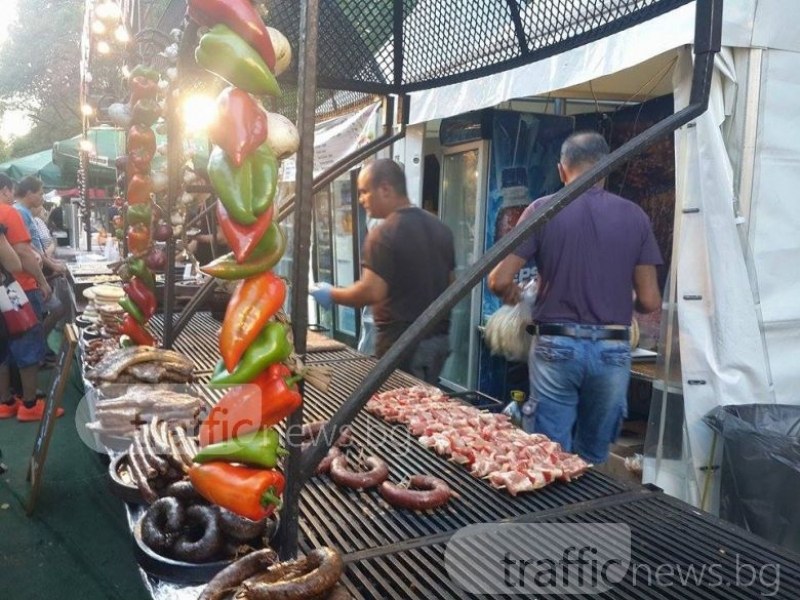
column 31, row 263
column 645, row 284
column 368, row 290
column 9, row 258
column 501, row 279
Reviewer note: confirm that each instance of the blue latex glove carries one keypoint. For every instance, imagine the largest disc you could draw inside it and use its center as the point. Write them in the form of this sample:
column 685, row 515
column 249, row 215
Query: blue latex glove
column 321, row 292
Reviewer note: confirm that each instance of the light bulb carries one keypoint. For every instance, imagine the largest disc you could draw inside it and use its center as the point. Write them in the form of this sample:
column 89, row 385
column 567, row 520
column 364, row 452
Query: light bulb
column 122, row 35
column 87, row 110
column 98, row 28
column 103, row 47
column 86, row 146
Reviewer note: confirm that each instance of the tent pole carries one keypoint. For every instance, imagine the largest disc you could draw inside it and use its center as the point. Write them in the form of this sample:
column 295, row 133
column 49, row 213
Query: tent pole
column 306, row 106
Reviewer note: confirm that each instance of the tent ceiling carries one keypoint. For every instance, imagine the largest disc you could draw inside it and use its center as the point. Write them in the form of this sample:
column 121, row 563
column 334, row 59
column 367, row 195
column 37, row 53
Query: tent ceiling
column 649, row 79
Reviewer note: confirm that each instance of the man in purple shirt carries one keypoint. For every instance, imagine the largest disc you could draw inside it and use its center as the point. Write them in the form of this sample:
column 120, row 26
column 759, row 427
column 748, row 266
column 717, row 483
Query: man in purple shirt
column 591, row 258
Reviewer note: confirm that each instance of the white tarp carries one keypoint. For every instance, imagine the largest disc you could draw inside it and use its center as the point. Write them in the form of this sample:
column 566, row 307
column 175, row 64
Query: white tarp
column 720, row 337
column 337, row 138
column 603, row 57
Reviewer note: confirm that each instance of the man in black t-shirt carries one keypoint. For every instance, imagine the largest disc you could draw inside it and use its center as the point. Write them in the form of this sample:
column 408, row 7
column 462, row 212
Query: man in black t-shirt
column 408, row 261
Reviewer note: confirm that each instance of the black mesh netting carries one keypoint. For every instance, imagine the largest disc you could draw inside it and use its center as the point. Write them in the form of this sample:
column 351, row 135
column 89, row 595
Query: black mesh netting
column 401, row 45
column 396, row 46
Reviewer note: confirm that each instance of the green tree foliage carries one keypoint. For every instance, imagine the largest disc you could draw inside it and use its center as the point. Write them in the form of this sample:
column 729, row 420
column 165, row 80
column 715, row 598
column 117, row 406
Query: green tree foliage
column 39, row 71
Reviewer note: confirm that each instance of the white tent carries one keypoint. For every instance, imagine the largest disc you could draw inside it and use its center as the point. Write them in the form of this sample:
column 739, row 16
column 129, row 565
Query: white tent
column 736, row 280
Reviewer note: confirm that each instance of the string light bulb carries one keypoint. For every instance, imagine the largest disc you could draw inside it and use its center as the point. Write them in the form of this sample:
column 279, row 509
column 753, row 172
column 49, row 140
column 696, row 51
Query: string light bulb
column 86, row 146
column 103, row 47
column 87, row 110
column 121, row 34
column 98, row 28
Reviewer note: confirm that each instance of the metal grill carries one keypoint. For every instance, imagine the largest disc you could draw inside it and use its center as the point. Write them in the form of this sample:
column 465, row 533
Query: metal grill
column 199, row 341
column 353, row 521
column 333, row 356
column 404, row 45
column 664, row 532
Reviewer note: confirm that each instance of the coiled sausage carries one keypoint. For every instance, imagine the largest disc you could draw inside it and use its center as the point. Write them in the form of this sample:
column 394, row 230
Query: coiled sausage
column 424, row 492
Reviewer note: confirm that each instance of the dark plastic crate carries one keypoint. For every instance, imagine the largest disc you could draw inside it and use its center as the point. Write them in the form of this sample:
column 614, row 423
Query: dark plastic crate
column 479, row 400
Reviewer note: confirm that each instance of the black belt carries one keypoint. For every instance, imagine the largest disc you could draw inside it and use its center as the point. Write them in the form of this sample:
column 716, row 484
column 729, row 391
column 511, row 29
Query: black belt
column 574, row 331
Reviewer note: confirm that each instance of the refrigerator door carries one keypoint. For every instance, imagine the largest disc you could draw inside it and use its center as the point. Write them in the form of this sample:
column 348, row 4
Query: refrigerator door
column 462, row 210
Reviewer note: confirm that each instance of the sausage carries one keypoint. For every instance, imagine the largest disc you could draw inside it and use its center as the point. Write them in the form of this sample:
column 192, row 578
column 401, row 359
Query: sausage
column 184, row 491
column 234, row 574
column 137, row 450
column 174, row 451
column 423, row 493
column 309, row 577
column 161, row 523
column 240, row 528
column 139, row 477
column 150, row 452
column 160, row 444
column 325, row 464
column 359, row 480
column 311, row 431
column 201, row 539
column 184, row 447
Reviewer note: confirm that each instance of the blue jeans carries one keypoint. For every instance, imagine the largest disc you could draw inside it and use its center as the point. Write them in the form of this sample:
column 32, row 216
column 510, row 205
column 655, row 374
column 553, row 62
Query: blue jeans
column 579, row 392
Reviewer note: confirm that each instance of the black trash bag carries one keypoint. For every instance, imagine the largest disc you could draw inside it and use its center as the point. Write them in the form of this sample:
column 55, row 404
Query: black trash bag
column 760, row 471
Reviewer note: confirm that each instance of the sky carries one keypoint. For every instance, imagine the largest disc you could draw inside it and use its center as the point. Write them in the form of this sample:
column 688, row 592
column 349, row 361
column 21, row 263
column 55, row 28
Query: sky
column 13, row 123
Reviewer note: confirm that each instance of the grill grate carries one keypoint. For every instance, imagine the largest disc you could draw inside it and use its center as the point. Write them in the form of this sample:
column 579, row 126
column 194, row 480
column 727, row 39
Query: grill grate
column 332, row 356
column 664, row 531
column 352, row 521
column 199, row 341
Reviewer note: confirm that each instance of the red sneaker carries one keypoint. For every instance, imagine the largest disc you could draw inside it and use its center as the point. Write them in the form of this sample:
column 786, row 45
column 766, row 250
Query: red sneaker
column 35, row 413
column 7, row 411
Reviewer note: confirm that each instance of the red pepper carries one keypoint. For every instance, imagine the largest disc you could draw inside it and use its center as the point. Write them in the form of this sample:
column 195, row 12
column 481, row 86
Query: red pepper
column 139, row 189
column 141, row 139
column 142, row 296
column 241, row 125
column 142, row 88
column 243, row 239
column 139, row 162
column 137, row 332
column 267, row 400
column 242, row 17
column 253, row 303
column 248, row 492
column 138, row 239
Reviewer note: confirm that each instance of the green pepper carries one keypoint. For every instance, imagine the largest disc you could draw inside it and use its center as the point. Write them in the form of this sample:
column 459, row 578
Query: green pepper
column 270, row 347
column 139, row 214
column 265, row 256
column 138, row 268
column 145, row 112
column 145, row 71
column 233, row 185
column 131, row 308
column 264, row 165
column 227, row 55
column 258, row 449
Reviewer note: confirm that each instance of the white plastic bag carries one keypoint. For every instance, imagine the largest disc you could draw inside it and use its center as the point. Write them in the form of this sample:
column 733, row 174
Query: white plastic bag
column 505, row 330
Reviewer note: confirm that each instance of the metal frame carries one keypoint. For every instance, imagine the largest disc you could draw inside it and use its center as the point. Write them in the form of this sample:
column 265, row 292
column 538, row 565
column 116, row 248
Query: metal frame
column 484, row 149
column 300, row 466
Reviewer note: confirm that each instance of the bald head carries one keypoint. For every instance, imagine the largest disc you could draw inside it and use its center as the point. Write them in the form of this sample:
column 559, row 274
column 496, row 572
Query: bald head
column 386, row 171
column 580, row 151
column 382, row 188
